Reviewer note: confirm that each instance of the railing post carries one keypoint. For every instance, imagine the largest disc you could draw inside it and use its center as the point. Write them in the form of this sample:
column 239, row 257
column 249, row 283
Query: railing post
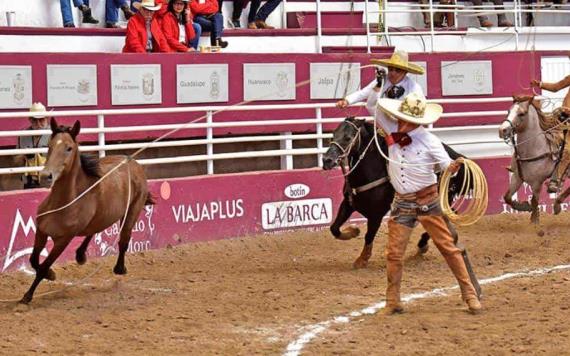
column 287, row 159
column 284, row 16
column 367, row 26
column 431, row 25
column 319, row 117
column 210, row 146
column 101, row 135
column 319, row 29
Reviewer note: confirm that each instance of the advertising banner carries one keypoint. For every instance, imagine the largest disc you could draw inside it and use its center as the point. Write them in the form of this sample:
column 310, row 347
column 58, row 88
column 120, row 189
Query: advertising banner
column 466, row 78
column 334, row 80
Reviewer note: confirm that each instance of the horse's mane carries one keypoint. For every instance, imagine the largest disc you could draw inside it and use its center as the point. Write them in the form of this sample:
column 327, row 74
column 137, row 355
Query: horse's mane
column 546, row 120
column 90, row 165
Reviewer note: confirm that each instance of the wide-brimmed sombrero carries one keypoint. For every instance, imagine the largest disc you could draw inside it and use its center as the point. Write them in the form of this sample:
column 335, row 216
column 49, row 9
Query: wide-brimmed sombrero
column 37, row 107
column 399, row 60
column 413, row 108
column 147, row 4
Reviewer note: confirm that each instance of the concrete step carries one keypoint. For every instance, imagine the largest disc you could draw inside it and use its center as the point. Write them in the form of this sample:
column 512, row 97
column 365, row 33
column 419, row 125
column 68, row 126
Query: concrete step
column 329, row 19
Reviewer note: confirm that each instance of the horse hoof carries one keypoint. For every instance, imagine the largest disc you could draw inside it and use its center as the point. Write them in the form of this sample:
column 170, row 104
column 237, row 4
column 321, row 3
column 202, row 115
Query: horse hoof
column 422, row 250
column 81, row 259
column 121, row 270
column 360, row 263
column 349, row 233
column 26, row 299
column 556, row 208
column 51, row 276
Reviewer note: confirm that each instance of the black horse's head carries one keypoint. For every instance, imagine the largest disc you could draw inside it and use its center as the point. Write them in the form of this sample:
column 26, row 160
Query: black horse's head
column 346, row 138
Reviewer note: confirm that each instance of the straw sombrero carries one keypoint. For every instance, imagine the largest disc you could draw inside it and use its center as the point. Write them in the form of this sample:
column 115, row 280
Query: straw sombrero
column 37, row 107
column 147, row 4
column 399, row 60
column 413, row 108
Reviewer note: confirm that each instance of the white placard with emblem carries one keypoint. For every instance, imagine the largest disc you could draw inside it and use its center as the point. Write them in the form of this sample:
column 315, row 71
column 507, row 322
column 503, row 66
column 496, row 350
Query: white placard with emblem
column 467, row 78
column 272, row 81
column 136, row 84
column 201, row 83
column 71, row 85
column 334, row 80
column 15, row 87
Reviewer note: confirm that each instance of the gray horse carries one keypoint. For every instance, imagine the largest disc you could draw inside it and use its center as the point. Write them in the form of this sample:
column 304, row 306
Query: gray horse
column 533, row 159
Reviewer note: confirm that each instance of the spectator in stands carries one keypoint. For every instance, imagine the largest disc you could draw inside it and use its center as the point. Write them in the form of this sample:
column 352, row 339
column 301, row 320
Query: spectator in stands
column 181, row 33
column 257, row 16
column 82, row 5
column 207, row 16
column 112, row 12
column 38, row 122
column 144, row 33
column 501, row 18
column 444, row 18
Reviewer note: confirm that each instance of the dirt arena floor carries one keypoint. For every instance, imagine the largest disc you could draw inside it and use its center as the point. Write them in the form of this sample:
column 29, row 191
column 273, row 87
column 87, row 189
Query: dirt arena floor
column 257, row 295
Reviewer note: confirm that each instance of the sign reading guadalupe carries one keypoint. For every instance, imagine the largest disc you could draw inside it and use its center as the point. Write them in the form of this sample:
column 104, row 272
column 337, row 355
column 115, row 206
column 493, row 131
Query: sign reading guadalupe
column 15, row 87
column 334, row 80
column 135, row 84
column 201, row 83
column 72, row 85
column 275, row 81
column 467, row 78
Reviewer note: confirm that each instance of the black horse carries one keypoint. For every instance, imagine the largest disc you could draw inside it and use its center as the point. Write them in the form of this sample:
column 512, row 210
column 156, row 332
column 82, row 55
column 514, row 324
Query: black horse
column 367, row 189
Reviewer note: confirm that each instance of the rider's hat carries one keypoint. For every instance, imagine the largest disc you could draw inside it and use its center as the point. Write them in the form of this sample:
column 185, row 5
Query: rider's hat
column 399, row 60
column 413, row 108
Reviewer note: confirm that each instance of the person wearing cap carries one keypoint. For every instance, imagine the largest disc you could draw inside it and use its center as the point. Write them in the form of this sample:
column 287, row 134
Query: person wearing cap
column 38, row 122
column 413, row 152
column 397, row 83
column 563, row 113
column 181, row 33
column 144, row 32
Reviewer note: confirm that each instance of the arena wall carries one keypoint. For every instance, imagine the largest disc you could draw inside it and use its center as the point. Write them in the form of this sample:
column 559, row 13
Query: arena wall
column 217, row 207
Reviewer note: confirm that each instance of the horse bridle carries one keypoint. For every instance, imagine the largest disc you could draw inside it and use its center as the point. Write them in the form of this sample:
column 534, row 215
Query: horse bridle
column 513, row 142
column 346, row 151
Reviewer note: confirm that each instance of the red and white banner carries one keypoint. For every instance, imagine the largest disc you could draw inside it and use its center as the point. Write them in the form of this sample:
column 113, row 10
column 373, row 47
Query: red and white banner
column 217, row 207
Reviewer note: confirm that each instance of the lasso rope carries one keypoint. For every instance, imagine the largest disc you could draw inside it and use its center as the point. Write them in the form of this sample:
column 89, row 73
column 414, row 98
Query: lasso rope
column 458, row 212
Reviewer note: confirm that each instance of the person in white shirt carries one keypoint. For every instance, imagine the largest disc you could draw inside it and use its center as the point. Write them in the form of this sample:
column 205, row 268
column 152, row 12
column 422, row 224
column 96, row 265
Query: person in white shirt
column 413, row 152
column 397, row 84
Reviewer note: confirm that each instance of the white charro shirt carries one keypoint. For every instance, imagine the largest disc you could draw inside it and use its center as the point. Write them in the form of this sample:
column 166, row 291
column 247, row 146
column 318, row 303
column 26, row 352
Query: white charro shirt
column 424, row 150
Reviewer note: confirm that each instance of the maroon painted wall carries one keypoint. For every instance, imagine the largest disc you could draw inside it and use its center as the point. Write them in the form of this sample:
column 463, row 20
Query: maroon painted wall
column 217, row 207
column 512, row 72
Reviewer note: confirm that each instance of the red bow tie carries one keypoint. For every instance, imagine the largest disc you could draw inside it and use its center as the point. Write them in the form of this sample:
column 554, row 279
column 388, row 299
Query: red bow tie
column 401, row 138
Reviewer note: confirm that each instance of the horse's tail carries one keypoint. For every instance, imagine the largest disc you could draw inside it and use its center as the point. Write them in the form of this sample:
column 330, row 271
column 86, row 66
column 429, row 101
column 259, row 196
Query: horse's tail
column 149, row 199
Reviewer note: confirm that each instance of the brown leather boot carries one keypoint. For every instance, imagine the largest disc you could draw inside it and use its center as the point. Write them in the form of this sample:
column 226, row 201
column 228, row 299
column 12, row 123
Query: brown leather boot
column 252, row 26
column 398, row 236
column 441, row 236
column 261, row 24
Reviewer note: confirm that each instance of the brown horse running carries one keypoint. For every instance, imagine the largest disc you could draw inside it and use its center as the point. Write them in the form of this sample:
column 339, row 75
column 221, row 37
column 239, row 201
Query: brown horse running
column 72, row 174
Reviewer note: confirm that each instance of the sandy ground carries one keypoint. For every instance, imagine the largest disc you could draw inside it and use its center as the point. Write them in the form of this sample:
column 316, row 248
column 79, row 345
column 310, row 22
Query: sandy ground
column 255, row 295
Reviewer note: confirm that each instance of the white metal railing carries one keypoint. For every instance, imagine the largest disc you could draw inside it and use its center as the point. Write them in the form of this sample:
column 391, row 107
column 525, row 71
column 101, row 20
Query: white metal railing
column 517, row 8
column 286, row 138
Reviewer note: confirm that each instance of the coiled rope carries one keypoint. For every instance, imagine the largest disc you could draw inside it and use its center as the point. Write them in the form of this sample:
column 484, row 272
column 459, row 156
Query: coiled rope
column 470, row 204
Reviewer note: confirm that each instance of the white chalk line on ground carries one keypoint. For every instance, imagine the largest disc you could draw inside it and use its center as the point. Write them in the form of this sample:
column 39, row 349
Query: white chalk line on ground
column 295, row 347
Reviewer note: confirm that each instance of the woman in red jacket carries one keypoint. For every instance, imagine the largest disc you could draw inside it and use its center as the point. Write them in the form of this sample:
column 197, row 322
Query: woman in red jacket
column 143, row 24
column 206, row 14
column 181, row 34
